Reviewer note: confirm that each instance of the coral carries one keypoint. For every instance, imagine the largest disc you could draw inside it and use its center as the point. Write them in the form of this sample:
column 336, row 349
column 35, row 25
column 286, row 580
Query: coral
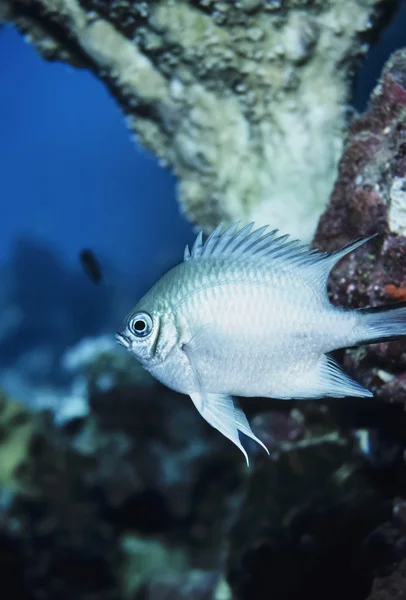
column 17, row 432
column 391, row 587
column 95, row 364
column 104, row 364
column 317, row 520
column 124, row 500
column 139, row 489
column 245, row 101
column 367, row 198
column 368, row 194
column 135, row 499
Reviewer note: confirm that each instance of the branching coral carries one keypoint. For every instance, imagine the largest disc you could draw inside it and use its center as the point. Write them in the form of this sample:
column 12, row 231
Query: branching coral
column 245, row 100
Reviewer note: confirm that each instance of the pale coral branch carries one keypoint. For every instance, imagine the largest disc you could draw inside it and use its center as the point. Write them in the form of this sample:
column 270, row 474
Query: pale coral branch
column 245, row 101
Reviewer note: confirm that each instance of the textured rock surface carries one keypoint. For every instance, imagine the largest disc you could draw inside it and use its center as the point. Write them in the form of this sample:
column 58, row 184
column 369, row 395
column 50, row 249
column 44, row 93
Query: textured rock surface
column 328, row 520
column 393, row 586
column 370, row 197
column 226, row 93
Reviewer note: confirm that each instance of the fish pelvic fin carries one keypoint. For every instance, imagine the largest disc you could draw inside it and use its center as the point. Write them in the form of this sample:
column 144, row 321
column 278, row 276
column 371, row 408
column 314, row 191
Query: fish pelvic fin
column 244, row 426
column 221, row 413
column 382, row 323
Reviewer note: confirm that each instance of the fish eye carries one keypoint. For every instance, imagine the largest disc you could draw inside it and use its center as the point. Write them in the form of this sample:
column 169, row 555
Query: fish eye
column 141, row 325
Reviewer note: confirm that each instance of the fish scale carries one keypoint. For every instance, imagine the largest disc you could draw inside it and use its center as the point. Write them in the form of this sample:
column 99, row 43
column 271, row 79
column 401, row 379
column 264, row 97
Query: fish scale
column 247, row 314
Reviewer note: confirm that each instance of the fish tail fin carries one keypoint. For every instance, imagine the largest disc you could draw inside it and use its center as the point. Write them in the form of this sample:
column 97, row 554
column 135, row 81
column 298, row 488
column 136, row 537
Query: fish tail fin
column 383, row 323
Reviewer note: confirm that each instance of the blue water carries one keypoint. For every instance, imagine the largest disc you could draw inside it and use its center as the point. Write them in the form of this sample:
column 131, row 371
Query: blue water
column 392, row 38
column 71, row 175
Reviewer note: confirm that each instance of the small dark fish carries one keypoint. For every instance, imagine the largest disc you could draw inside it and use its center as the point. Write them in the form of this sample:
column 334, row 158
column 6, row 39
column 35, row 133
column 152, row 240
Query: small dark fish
column 91, row 266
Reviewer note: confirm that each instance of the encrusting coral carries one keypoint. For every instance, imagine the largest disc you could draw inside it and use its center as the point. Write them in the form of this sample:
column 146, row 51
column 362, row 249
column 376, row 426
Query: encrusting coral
column 246, row 101
column 370, row 197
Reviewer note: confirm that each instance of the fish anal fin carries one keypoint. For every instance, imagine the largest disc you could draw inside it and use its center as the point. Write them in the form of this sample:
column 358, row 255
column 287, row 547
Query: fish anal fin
column 327, row 379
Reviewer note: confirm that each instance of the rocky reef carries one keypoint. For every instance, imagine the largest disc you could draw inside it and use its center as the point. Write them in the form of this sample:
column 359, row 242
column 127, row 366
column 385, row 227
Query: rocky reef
column 370, row 197
column 140, row 499
column 212, row 86
column 120, row 503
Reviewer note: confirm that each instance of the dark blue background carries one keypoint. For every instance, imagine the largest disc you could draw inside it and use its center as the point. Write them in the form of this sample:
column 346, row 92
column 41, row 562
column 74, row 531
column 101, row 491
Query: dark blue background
column 71, row 174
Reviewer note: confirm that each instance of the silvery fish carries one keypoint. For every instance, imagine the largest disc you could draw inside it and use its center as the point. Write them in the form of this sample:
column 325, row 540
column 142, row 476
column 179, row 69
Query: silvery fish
column 247, row 314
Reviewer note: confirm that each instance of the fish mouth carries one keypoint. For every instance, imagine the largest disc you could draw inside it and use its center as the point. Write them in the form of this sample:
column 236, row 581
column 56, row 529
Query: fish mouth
column 123, row 340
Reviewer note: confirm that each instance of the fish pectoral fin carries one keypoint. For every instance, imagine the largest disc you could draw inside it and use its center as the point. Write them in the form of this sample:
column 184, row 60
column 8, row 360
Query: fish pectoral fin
column 221, row 413
column 200, row 340
column 328, row 379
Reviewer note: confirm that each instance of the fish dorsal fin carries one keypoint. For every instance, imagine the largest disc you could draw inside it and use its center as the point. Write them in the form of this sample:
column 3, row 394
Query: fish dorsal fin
column 260, row 244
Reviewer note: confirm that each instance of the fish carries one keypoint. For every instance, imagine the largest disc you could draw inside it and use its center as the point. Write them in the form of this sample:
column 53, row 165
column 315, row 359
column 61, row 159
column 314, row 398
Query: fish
column 91, row 266
column 247, row 314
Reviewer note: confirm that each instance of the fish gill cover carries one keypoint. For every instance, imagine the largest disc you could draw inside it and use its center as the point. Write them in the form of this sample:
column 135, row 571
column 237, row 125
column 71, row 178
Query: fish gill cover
column 118, row 489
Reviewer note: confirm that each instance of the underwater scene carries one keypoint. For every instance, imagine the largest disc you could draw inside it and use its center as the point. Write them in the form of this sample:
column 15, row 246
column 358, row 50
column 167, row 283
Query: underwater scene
column 203, row 299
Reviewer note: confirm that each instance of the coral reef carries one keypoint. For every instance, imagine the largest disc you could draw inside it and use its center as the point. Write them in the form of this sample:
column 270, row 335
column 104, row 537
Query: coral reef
column 117, row 505
column 140, row 499
column 370, row 197
column 228, row 94
column 134, row 496
column 17, row 434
